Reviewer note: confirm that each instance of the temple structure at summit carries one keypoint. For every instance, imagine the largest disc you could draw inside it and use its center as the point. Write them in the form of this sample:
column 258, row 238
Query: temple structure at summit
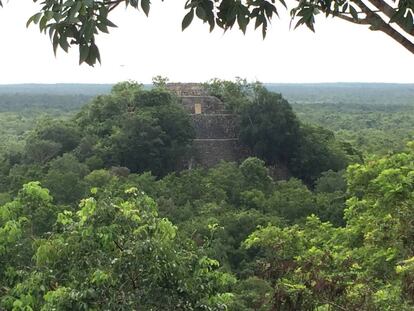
column 216, row 132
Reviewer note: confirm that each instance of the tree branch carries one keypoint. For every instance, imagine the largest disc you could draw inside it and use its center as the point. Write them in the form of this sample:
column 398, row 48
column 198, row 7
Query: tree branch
column 383, row 7
column 389, row 11
column 377, row 23
column 119, row 246
column 134, row 284
column 360, row 21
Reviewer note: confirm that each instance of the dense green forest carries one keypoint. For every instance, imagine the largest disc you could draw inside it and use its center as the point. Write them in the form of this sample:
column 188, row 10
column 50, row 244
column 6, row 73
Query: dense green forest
column 97, row 214
column 376, row 118
column 346, row 93
column 373, row 129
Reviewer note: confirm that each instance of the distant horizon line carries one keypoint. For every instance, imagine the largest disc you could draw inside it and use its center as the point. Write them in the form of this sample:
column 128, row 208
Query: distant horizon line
column 149, row 83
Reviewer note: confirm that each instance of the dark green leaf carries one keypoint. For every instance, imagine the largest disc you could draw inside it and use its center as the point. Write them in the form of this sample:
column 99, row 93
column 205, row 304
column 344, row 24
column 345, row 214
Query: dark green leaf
column 243, row 21
column 353, row 12
column 77, row 6
column 35, row 19
column 103, row 12
column 95, row 53
column 42, row 23
column 133, row 3
column 408, row 22
column 145, row 5
column 55, row 42
column 51, row 31
column 398, row 16
column 201, row 13
column 89, row 30
column 49, row 15
column 57, row 17
column 301, row 21
column 264, row 28
column 83, row 53
column 102, row 27
column 108, row 23
column 64, row 44
column 188, row 18
column 259, row 21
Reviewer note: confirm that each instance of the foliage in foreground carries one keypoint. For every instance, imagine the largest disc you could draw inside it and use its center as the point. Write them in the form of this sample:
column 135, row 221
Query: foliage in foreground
column 78, row 22
column 112, row 253
column 366, row 265
column 115, row 251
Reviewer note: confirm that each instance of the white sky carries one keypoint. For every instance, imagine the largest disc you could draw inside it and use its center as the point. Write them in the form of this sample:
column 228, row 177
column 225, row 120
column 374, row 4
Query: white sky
column 141, row 48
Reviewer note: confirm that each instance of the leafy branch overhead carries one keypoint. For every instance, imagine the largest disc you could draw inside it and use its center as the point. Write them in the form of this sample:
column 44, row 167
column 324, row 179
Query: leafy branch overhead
column 77, row 22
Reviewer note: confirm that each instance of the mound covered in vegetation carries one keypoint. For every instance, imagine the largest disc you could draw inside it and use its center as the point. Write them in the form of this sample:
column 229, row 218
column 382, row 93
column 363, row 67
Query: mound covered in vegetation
column 93, row 214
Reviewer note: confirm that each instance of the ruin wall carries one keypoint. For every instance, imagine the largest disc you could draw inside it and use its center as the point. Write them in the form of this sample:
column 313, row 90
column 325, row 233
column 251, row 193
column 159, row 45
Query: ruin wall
column 214, row 126
column 209, row 152
column 216, row 129
column 209, row 104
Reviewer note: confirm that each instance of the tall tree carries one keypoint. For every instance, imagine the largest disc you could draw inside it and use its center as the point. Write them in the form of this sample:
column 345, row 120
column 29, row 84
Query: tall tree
column 138, row 129
column 269, row 127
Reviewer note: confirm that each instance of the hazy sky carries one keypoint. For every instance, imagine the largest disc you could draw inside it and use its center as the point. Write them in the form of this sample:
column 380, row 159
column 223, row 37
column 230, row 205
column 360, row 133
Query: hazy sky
column 141, row 48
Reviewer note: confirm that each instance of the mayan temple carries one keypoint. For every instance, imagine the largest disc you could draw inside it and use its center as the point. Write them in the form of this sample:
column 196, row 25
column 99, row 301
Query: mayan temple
column 215, row 127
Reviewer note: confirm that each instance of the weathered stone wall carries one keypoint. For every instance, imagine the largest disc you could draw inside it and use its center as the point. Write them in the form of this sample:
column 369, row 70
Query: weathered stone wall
column 215, row 126
column 209, row 152
column 209, row 104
